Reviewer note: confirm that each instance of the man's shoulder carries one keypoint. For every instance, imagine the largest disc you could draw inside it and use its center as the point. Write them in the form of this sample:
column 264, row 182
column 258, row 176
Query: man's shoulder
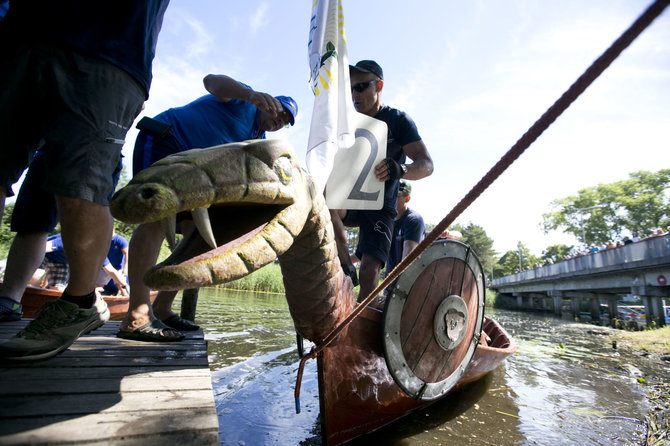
column 414, row 216
column 120, row 240
column 389, row 112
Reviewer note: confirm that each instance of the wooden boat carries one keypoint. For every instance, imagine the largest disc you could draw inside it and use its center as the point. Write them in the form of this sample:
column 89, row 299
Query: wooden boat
column 391, row 362
column 34, row 297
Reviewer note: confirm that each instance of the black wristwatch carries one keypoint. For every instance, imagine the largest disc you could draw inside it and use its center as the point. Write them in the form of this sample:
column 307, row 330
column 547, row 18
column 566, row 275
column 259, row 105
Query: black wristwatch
column 403, row 167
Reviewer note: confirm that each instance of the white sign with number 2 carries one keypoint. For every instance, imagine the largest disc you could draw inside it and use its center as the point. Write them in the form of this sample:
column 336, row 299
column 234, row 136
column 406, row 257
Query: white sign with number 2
column 352, row 183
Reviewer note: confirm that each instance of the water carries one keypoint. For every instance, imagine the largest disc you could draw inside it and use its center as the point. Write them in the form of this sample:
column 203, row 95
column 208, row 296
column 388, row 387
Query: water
column 565, row 385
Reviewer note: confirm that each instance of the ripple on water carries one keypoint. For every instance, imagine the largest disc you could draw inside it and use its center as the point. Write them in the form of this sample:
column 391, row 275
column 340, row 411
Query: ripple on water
column 564, row 385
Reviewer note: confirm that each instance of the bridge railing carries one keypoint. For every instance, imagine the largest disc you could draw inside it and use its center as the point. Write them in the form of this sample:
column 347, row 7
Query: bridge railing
column 652, row 251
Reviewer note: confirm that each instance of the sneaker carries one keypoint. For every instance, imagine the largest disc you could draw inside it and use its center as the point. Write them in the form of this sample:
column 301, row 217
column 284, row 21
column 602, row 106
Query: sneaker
column 57, row 326
column 350, row 270
column 10, row 310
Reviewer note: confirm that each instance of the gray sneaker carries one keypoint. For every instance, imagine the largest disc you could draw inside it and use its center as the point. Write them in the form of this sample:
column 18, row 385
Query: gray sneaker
column 10, row 310
column 57, row 326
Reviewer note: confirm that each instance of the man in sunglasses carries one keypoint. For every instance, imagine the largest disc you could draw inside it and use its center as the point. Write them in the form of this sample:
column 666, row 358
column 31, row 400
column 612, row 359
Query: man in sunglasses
column 231, row 112
column 403, row 141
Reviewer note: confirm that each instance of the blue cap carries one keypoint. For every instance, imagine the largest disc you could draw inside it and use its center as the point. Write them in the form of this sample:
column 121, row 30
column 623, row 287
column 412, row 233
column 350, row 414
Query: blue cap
column 290, row 105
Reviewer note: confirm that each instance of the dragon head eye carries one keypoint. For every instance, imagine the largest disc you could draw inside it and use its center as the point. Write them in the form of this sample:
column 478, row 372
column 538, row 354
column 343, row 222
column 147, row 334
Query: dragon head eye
column 284, row 169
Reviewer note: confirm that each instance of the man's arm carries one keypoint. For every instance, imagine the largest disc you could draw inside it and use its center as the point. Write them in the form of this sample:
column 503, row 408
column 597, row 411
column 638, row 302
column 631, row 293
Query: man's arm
column 408, row 246
column 421, row 167
column 125, row 262
column 117, row 278
column 225, row 88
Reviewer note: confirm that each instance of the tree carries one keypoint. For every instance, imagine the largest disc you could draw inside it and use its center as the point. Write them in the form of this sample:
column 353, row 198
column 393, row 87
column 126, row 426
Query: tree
column 6, row 235
column 640, row 203
column 475, row 236
column 508, row 264
column 510, row 261
column 556, row 252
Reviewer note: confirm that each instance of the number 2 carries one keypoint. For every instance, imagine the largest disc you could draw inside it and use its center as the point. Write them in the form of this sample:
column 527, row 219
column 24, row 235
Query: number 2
column 356, row 192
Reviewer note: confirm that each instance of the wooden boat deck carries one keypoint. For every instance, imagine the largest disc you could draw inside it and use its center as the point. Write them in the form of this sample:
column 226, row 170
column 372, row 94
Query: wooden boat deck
column 104, row 389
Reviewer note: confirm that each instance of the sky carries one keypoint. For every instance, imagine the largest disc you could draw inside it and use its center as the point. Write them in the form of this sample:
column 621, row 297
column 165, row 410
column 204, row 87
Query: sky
column 474, row 76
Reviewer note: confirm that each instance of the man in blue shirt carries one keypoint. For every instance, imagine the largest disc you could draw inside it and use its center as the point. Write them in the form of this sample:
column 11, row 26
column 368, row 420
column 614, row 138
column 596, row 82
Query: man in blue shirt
column 408, row 228
column 89, row 71
column 117, row 256
column 231, row 112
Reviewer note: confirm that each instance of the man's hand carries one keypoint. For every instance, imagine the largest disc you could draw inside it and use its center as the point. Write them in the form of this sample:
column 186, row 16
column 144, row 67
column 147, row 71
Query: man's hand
column 265, row 102
column 388, row 169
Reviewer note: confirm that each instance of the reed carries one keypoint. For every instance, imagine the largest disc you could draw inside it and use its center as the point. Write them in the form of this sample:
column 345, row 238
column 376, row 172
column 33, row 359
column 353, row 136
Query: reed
column 267, row 279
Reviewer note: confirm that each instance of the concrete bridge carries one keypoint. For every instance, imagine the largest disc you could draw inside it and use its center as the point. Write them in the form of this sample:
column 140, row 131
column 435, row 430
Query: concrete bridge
column 641, row 269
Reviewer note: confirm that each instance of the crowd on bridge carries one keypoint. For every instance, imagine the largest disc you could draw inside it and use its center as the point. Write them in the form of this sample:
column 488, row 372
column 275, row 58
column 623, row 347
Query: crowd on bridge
column 585, row 249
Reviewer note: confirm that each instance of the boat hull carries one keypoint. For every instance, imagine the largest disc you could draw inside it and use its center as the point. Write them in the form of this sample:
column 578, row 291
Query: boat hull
column 358, row 393
column 34, row 298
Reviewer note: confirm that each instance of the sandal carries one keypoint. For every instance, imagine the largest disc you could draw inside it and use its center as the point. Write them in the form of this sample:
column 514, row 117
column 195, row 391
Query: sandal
column 154, row 331
column 180, row 323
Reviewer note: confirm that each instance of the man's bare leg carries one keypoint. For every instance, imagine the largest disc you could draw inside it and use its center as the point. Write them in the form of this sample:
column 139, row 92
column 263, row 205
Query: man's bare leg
column 336, row 216
column 86, row 229
column 25, row 256
column 371, row 268
column 145, row 245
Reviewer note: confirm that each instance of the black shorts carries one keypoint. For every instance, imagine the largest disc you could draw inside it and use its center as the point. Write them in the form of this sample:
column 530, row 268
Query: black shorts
column 375, row 230
column 35, row 207
column 150, row 148
column 78, row 107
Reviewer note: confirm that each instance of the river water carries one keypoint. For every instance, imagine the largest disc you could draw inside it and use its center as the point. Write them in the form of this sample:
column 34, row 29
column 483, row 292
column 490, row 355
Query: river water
column 565, row 385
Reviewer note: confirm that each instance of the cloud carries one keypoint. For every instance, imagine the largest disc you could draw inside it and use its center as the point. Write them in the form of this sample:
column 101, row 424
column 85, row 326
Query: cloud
column 260, row 17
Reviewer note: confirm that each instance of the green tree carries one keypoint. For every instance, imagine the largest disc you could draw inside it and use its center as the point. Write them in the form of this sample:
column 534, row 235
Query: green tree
column 6, row 235
column 556, row 252
column 640, row 203
column 509, row 262
column 475, row 236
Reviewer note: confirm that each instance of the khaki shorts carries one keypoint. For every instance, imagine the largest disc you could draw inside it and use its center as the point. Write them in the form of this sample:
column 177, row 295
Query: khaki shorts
column 77, row 108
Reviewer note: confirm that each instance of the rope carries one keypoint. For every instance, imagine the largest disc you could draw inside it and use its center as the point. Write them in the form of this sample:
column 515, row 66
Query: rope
column 534, row 132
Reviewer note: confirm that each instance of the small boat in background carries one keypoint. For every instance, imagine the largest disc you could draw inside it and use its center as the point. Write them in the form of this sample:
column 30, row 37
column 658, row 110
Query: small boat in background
column 35, row 297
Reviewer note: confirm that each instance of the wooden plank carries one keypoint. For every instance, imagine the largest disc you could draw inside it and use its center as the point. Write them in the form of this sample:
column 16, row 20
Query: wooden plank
column 193, row 425
column 108, row 372
column 105, row 389
column 104, row 385
column 77, row 404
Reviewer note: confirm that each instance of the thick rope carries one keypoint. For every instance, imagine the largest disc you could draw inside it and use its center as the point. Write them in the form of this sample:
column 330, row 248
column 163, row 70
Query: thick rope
column 534, row 132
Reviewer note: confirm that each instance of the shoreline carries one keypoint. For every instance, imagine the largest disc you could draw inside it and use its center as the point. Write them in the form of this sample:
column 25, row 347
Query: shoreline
column 655, row 344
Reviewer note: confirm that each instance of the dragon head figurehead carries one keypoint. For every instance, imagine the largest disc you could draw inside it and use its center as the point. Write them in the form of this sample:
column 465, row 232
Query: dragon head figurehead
column 252, row 203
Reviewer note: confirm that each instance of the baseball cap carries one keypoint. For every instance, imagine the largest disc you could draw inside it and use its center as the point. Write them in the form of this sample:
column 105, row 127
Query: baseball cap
column 368, row 66
column 290, row 105
column 405, row 188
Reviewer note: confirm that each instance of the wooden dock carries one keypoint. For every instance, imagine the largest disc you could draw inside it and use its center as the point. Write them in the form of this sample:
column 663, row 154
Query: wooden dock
column 106, row 390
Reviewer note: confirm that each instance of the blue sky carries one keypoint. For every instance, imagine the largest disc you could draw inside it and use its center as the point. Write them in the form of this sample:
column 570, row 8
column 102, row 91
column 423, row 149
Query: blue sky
column 474, row 75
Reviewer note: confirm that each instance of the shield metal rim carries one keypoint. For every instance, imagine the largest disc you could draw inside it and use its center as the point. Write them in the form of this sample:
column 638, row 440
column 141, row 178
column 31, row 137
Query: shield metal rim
column 411, row 384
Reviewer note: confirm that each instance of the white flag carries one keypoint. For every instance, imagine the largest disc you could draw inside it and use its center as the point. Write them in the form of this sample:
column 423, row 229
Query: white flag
column 332, row 125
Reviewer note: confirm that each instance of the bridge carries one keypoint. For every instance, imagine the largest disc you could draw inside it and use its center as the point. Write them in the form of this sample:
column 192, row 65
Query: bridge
column 641, row 269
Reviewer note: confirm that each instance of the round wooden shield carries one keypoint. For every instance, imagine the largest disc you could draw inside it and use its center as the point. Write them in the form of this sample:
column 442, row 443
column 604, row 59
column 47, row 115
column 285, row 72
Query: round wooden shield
column 433, row 320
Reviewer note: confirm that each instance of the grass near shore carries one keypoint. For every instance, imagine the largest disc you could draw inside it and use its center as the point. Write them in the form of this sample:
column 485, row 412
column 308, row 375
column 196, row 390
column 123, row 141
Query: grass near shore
column 266, row 280
column 655, row 342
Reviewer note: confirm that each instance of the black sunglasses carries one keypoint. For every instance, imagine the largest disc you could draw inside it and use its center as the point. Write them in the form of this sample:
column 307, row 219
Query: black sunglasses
column 361, row 87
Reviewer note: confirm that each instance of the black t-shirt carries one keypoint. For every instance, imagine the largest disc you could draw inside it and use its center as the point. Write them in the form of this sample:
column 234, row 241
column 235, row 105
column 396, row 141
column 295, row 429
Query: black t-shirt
column 401, row 131
column 408, row 227
column 122, row 32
